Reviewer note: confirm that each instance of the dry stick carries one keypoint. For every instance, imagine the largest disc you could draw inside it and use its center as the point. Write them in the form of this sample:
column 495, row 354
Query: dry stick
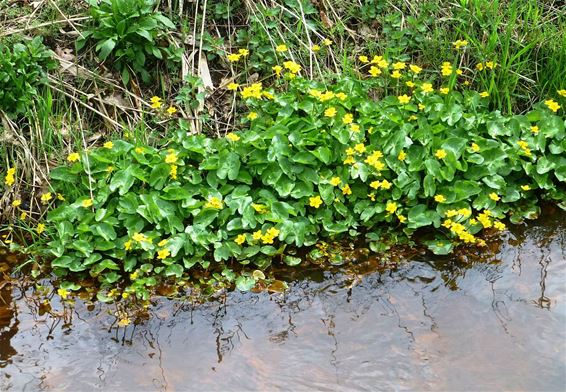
column 86, row 106
column 66, row 18
column 30, row 17
column 7, row 33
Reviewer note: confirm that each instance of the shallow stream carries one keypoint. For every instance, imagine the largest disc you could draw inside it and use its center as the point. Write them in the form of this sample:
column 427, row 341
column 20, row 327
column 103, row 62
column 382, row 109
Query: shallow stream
column 431, row 324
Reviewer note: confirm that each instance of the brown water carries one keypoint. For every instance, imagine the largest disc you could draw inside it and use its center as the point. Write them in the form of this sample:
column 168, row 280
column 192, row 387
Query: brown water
column 433, row 324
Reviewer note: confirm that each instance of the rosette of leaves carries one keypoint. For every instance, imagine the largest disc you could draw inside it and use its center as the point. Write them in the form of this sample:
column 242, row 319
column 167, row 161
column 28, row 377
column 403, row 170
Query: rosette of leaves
column 127, row 31
column 23, row 71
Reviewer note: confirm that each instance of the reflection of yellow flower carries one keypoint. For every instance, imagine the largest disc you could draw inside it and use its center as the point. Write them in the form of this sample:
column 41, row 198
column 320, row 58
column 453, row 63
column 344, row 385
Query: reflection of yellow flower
column 315, row 201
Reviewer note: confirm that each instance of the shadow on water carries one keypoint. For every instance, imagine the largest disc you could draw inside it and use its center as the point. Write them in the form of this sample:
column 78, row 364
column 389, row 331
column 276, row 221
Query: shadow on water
column 449, row 323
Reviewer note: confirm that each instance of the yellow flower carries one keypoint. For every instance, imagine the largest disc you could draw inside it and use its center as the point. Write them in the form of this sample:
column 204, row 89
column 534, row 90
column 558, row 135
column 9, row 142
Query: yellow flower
column 171, row 110
column 257, row 235
column 421, row 106
column 446, row 69
column 363, row 59
column 490, row 64
column 479, row 66
column 391, row 207
column 526, row 187
column 163, row 254
column 335, row 181
column 330, row 112
column 562, row 92
column 327, row 42
column 349, row 160
column 171, row 157
column 439, row 199
column 460, row 43
column 360, row 148
column 156, row 102
column 410, row 83
column 292, row 66
column 173, row 171
column 243, row 52
column 240, row 239
column 355, row 128
column 315, row 201
column 341, row 96
column 534, row 129
column 233, row 137
column 73, row 157
column 475, row 147
column 46, row 197
column 140, row 237
column 459, row 72
column 427, row 88
column 402, row 218
column 404, row 99
column 494, row 196
column 16, row 203
column 402, row 155
column 251, row 116
column 499, row 225
column 87, row 203
column 108, row 145
column 552, row 105
column 385, row 184
column 234, row 57
column 348, row 118
column 253, row 91
column 281, row 48
column 139, row 150
column 399, row 65
column 162, row 242
column 375, row 184
column 232, row 86
column 23, row 215
column 395, row 74
column 440, row 154
column 315, row 48
column 40, row 228
column 214, row 202
column 484, row 94
column 277, row 69
column 10, row 179
column 374, row 71
column 415, row 69
column 346, row 190
column 269, row 235
column 444, row 90
column 63, row 293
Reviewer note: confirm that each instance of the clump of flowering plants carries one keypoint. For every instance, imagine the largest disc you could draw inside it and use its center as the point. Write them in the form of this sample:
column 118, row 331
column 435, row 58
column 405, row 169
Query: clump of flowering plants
column 312, row 161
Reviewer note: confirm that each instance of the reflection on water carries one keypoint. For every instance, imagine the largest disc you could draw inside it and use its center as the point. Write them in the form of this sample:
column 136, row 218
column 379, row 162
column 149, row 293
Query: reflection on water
column 432, row 324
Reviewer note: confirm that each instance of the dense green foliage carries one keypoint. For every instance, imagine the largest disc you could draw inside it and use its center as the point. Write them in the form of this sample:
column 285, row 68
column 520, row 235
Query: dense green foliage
column 314, row 163
column 23, row 71
column 128, row 31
